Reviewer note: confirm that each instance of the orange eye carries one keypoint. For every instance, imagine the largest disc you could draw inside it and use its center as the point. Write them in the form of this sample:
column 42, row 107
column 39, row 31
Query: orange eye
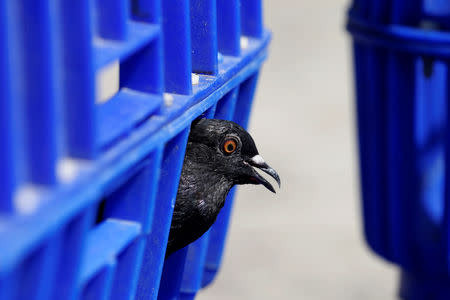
column 229, row 146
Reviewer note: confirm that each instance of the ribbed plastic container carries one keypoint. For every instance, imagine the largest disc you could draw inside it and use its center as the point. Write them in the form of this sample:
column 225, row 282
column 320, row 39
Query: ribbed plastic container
column 402, row 58
column 97, row 99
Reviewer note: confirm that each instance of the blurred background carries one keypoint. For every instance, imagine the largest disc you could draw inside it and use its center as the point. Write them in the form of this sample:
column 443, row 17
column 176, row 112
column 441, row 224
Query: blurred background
column 304, row 242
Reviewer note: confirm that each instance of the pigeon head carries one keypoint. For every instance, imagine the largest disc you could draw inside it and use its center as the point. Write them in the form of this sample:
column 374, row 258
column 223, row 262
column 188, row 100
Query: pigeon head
column 225, row 148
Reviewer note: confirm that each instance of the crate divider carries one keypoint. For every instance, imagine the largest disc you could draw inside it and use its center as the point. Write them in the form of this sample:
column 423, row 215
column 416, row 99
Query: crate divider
column 204, row 36
column 229, row 27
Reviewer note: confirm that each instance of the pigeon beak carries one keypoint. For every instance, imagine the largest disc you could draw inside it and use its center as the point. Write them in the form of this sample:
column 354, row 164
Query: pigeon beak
column 258, row 162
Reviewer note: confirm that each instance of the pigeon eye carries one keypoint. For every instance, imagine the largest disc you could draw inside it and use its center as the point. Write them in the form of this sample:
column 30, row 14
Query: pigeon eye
column 229, row 146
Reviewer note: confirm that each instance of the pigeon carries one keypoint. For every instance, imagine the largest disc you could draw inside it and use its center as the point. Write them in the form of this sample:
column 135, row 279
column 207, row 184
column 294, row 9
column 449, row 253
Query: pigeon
column 219, row 155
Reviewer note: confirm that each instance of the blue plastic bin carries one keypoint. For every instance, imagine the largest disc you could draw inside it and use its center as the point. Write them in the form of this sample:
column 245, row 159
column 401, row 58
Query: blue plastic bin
column 402, row 59
column 88, row 186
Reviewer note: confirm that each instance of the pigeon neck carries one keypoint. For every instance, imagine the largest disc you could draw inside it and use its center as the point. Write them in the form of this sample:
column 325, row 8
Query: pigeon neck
column 217, row 192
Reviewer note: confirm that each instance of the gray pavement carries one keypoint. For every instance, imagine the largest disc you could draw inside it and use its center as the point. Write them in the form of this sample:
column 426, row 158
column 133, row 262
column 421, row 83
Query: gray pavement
column 305, row 242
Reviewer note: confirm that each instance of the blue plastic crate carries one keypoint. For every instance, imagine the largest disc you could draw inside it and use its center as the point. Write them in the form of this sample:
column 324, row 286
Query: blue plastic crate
column 401, row 55
column 88, row 186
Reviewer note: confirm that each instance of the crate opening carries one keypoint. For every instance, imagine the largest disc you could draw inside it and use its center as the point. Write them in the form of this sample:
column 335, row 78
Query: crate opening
column 142, row 70
column 107, row 82
column 130, row 197
column 129, row 93
column 428, row 65
column 100, row 213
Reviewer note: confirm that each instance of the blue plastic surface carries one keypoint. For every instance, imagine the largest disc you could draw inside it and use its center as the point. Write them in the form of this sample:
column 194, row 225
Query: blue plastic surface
column 88, row 189
column 401, row 58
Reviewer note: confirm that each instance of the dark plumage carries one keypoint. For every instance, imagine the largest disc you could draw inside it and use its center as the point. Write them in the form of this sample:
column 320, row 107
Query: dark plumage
column 219, row 154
